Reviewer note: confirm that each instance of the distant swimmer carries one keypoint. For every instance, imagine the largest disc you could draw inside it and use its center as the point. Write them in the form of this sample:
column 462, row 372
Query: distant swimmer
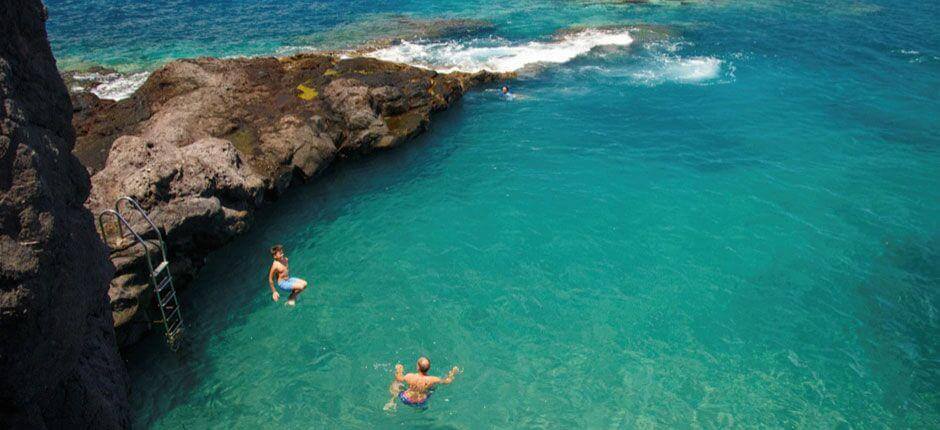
column 420, row 385
column 505, row 93
column 280, row 273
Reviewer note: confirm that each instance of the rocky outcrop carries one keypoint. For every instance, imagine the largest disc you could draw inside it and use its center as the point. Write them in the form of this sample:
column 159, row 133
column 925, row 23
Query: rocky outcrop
column 204, row 142
column 59, row 366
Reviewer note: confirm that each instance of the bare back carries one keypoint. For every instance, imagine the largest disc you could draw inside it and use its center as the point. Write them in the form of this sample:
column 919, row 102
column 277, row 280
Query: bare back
column 420, row 385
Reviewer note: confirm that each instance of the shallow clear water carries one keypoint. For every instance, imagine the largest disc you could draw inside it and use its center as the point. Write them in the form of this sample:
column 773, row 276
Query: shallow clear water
column 737, row 224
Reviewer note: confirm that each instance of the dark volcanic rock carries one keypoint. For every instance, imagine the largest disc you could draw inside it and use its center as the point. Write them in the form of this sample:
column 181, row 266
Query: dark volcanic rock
column 60, row 366
column 203, row 142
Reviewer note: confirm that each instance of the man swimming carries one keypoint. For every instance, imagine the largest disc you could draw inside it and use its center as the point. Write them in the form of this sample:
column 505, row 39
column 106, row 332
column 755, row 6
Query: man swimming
column 281, row 273
column 420, row 385
column 506, row 94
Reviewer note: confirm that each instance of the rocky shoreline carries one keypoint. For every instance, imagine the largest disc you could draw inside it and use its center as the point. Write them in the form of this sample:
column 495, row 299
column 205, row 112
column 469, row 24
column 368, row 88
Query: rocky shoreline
column 205, row 142
column 202, row 144
column 60, row 366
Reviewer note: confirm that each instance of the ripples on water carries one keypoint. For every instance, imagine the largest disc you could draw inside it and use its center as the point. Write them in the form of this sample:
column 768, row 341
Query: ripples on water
column 734, row 223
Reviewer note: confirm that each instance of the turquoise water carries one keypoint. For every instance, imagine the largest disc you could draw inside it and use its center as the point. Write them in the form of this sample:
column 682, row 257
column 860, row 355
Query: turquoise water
column 736, row 224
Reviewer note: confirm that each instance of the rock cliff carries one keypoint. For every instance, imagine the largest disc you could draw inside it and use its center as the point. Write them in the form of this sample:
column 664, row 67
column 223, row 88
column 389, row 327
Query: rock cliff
column 59, row 365
column 204, row 142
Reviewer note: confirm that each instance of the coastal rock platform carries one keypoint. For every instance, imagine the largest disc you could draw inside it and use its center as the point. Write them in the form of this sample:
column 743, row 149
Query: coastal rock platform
column 205, row 142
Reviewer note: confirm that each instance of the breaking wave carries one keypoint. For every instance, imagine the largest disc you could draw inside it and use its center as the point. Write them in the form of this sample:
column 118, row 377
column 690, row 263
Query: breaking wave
column 496, row 55
column 114, row 86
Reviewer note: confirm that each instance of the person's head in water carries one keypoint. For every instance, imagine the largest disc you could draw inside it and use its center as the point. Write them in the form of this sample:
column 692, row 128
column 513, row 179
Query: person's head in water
column 505, row 89
column 424, row 365
column 277, row 251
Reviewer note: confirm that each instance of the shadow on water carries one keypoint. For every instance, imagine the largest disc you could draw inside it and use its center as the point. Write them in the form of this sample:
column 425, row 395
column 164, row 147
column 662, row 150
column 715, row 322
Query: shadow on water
column 373, row 173
column 184, row 372
column 151, row 359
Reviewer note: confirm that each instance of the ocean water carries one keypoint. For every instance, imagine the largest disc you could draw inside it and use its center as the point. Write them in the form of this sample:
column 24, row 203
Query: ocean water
column 708, row 215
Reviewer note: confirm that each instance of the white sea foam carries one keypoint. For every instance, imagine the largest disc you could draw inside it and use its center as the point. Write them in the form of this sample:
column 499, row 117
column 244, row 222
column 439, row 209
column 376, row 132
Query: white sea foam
column 679, row 69
column 914, row 56
column 662, row 68
column 496, row 55
column 114, row 86
column 121, row 87
column 294, row 49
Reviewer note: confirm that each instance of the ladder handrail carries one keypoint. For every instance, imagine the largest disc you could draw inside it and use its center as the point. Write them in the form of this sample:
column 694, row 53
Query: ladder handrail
column 122, row 221
column 172, row 328
column 143, row 213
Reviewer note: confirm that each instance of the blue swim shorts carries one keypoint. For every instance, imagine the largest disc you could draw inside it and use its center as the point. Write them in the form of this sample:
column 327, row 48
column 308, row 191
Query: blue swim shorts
column 288, row 284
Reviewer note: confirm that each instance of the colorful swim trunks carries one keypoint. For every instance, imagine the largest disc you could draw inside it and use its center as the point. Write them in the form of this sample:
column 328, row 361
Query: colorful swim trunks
column 422, row 404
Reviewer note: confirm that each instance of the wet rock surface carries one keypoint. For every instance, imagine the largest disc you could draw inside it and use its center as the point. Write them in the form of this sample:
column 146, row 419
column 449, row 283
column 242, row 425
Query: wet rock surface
column 60, row 365
column 204, row 142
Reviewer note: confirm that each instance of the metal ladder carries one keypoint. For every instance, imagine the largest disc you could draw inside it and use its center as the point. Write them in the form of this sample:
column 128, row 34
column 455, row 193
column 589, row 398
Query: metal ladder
column 160, row 277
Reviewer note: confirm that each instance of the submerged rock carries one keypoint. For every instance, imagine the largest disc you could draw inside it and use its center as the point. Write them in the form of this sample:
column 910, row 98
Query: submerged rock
column 385, row 30
column 640, row 32
column 60, row 366
column 204, row 142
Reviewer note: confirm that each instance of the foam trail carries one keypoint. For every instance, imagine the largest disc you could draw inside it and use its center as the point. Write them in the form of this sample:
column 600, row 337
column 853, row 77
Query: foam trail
column 478, row 55
column 679, row 69
column 693, row 69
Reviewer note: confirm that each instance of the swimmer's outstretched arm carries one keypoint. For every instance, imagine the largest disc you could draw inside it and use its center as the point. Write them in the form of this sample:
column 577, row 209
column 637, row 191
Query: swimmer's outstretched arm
column 399, row 373
column 395, row 387
column 450, row 376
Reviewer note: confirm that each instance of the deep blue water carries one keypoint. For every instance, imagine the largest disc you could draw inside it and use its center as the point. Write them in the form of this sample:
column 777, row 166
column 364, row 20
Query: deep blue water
column 732, row 221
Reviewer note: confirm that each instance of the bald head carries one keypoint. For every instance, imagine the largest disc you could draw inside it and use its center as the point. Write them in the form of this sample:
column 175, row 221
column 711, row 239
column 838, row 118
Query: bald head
column 424, row 364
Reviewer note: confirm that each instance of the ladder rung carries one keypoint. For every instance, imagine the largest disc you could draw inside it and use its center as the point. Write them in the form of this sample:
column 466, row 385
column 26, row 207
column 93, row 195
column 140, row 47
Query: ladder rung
column 170, row 326
column 165, row 300
column 176, row 313
column 172, row 336
column 163, row 284
column 160, row 268
column 176, row 327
